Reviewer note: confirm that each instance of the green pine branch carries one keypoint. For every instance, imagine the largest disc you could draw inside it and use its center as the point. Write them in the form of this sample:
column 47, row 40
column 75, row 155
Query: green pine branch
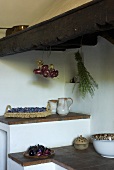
column 86, row 82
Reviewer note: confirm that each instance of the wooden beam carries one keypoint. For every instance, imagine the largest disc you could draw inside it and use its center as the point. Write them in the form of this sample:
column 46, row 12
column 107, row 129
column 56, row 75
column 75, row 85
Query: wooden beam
column 108, row 35
column 90, row 39
column 58, row 30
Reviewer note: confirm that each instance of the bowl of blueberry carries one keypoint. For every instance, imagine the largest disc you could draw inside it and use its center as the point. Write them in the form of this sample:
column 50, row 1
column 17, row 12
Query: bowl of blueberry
column 26, row 112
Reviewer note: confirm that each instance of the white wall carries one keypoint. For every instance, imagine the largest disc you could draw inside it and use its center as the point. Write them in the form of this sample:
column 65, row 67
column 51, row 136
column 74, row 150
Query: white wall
column 99, row 61
column 19, row 86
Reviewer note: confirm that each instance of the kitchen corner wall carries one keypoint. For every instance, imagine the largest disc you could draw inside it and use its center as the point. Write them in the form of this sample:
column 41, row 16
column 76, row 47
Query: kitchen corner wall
column 20, row 87
column 99, row 61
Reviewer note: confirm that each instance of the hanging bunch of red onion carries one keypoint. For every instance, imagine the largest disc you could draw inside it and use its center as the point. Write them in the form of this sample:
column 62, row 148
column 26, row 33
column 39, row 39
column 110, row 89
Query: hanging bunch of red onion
column 46, row 70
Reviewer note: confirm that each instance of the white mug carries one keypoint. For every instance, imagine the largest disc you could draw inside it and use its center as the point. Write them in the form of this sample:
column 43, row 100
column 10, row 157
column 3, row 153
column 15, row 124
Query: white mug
column 52, row 105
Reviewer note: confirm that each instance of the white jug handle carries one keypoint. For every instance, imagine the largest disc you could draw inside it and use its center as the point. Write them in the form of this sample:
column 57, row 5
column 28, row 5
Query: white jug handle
column 70, row 100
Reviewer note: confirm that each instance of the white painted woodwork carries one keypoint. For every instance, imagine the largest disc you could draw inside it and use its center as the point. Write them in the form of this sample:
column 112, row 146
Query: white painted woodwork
column 50, row 134
column 45, row 166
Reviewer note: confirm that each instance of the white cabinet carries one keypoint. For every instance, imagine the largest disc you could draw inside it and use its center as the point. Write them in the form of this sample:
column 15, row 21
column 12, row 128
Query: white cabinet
column 44, row 166
column 51, row 134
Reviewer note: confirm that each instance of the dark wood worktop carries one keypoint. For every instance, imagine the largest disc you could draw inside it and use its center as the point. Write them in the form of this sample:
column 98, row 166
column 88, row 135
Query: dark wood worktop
column 53, row 117
column 70, row 158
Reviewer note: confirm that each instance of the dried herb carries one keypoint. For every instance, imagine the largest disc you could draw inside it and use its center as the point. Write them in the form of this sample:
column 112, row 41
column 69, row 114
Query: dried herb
column 86, row 82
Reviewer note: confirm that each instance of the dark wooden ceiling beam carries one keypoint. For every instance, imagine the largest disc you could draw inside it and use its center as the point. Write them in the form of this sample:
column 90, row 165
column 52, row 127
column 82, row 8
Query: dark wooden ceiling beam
column 109, row 35
column 90, row 39
column 87, row 19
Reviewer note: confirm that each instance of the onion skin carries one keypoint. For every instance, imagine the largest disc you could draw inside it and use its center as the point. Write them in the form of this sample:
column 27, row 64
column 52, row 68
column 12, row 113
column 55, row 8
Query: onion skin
column 46, row 73
column 56, row 73
column 51, row 74
column 44, row 67
column 37, row 71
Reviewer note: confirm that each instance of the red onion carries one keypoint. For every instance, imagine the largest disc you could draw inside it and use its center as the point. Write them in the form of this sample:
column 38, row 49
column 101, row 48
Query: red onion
column 46, row 73
column 44, row 67
column 46, row 70
column 37, row 71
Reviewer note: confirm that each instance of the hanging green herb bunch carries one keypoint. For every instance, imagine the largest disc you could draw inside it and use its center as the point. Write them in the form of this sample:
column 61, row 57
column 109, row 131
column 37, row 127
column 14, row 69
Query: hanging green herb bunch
column 86, row 82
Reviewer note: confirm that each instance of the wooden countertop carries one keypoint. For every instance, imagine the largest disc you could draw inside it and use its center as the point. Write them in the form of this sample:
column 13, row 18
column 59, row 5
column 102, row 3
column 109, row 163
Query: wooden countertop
column 53, row 117
column 70, row 158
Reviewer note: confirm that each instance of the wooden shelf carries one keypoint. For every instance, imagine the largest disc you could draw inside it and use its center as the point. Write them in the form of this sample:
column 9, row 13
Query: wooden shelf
column 53, row 117
column 69, row 158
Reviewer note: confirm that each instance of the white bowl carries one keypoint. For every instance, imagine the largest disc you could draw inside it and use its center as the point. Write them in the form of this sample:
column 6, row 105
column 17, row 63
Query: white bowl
column 104, row 144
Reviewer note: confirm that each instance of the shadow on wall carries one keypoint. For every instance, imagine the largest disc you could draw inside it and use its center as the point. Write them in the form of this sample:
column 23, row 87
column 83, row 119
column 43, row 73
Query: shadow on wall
column 99, row 61
column 39, row 80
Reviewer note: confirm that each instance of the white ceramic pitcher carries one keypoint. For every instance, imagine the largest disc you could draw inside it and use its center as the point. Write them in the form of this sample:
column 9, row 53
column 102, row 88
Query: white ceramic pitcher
column 63, row 105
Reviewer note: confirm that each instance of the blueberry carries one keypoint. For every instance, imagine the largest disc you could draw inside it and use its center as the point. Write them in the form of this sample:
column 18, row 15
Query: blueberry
column 12, row 110
column 9, row 111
